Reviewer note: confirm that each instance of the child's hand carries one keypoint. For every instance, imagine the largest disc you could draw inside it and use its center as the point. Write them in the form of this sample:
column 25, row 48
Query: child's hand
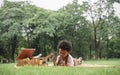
column 54, row 59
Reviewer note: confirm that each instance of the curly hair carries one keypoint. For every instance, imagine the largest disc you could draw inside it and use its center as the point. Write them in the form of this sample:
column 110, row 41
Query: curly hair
column 65, row 45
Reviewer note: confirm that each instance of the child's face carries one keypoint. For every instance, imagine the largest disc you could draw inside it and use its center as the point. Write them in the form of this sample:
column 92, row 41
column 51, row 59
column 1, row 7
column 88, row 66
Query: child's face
column 63, row 53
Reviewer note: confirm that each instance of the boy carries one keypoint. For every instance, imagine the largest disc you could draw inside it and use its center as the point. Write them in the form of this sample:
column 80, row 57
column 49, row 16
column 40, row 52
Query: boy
column 64, row 58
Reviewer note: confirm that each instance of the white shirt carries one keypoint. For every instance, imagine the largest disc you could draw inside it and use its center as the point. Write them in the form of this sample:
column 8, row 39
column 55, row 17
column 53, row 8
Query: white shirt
column 70, row 61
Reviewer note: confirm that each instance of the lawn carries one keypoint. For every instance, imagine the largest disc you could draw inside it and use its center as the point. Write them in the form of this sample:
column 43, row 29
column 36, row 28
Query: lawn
column 11, row 69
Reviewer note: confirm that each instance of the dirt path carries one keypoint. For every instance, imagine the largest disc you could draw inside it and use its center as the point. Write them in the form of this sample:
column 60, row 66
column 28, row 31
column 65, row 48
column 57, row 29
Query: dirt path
column 96, row 65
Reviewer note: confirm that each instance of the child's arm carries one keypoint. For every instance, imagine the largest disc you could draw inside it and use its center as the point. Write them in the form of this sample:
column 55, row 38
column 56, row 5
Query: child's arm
column 54, row 58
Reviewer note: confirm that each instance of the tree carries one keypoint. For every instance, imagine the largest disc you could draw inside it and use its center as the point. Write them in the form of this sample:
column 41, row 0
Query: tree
column 75, row 26
column 97, row 12
column 11, row 19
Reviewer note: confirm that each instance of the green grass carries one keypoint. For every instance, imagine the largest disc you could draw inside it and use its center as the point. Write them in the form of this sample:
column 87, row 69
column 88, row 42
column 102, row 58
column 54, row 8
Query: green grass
column 10, row 69
column 115, row 62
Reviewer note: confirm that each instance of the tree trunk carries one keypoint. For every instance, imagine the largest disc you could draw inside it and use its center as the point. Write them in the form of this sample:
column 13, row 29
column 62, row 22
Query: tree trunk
column 9, row 52
column 90, row 48
column 106, row 56
column 100, row 53
column 98, row 47
column 55, row 42
column 14, row 45
column 95, row 43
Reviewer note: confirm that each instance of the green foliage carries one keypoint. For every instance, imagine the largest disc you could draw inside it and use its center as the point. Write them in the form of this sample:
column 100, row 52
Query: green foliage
column 23, row 25
column 112, row 1
column 114, row 50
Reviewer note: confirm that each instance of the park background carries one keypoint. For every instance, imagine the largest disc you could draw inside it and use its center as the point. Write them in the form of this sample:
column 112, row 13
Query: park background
column 92, row 27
